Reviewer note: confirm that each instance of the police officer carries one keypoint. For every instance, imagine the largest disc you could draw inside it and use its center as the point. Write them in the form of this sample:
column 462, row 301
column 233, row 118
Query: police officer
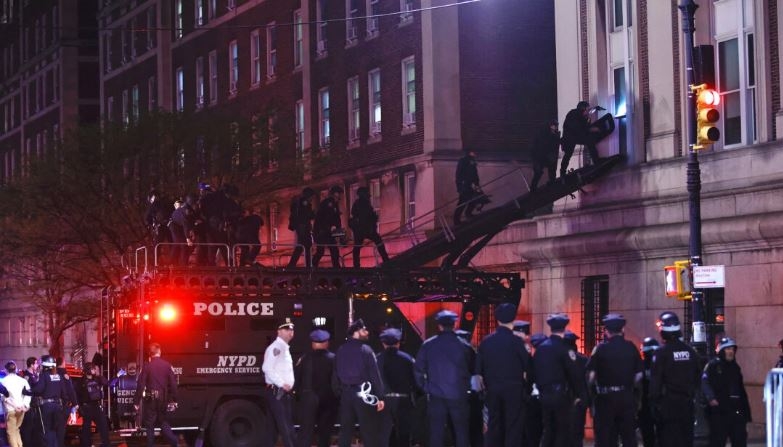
column 317, row 402
column 158, row 386
column 183, row 229
column 327, row 225
column 728, row 410
column 31, row 429
column 89, row 392
column 579, row 410
column 396, row 368
column 361, row 389
column 70, row 402
column 51, row 393
column 444, row 366
column 364, row 223
column 475, row 400
column 278, row 368
column 534, row 424
column 647, row 425
column 300, row 221
column 157, row 218
column 504, row 364
column 556, row 374
column 521, row 329
column 577, row 130
column 468, row 186
column 124, row 389
column 545, row 150
column 614, row 369
column 673, row 383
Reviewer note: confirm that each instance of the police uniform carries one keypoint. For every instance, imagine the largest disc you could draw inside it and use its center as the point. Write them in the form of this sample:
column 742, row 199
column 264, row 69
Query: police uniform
column 556, row 374
column 444, row 366
column 475, row 401
column 364, row 223
column 579, row 409
column 467, row 184
column 51, row 394
column 728, row 410
column 278, row 368
column 317, row 402
column 504, row 364
column 301, row 223
column 158, row 386
column 326, row 219
column 614, row 368
column 89, row 392
column 646, row 417
column 360, row 385
column 396, row 368
column 673, row 382
column 534, row 425
column 31, row 429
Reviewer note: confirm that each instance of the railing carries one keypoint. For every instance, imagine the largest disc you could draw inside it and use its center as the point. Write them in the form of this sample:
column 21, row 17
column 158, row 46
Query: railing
column 773, row 397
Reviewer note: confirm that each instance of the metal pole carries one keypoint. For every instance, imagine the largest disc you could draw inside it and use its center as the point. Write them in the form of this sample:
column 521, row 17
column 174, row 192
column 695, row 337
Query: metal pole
column 698, row 335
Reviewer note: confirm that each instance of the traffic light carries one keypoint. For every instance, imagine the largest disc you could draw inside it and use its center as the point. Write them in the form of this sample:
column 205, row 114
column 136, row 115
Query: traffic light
column 707, row 101
column 676, row 280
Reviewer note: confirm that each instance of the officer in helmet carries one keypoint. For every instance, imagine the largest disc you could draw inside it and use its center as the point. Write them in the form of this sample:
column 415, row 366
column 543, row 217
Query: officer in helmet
column 729, row 410
column 89, row 391
column 646, row 416
column 327, row 228
column 51, row 394
column 673, row 383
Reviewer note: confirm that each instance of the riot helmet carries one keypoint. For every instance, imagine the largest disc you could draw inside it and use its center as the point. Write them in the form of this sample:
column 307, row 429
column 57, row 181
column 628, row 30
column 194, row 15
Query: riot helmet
column 669, row 322
column 48, row 361
column 649, row 344
column 725, row 342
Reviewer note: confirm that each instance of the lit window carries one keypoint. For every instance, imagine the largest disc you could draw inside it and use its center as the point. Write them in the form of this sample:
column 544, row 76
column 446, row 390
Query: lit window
column 300, row 127
column 199, row 10
column 180, row 89
column 135, row 103
column 233, row 74
column 200, row 98
column 271, row 51
column 298, row 39
column 409, row 92
column 255, row 57
column 324, row 129
column 374, row 90
column 353, row 110
column 180, row 21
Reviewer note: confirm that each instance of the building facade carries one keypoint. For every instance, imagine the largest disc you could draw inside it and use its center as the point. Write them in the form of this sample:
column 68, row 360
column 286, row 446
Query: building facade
column 49, row 73
column 606, row 249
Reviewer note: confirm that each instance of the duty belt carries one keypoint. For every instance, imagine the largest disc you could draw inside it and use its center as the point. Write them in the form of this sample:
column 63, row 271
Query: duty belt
column 50, row 400
column 610, row 389
column 397, row 394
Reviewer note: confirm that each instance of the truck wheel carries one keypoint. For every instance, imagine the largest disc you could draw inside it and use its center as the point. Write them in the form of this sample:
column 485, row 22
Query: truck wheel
column 238, row 423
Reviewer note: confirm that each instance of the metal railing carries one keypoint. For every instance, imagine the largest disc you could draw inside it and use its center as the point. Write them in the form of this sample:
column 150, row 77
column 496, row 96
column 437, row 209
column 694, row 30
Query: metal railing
column 773, row 398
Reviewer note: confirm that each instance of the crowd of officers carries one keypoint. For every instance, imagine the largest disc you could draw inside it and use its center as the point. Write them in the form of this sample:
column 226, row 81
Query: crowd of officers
column 206, row 223
column 513, row 390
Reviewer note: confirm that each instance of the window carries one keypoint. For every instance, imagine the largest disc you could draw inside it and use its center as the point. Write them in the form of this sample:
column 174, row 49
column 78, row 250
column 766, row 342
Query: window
column 374, row 91
column 44, row 22
column 38, row 146
column 55, row 23
column 132, row 38
column 39, row 93
column 231, row 4
column 409, row 92
column 36, row 40
column 300, row 128
column 152, row 94
column 212, row 9
column 124, row 50
column 255, row 57
column 213, row 77
column 124, row 111
column 298, row 38
column 351, row 24
column 320, row 17
column 324, row 130
column 353, row 110
column 620, row 109
column 233, row 74
column 151, row 25
column 406, row 16
column 180, row 81
column 107, row 46
column 200, row 82
column 199, row 10
column 595, row 306
column 271, row 51
column 372, row 20
column 135, row 103
column 409, row 205
column 180, row 20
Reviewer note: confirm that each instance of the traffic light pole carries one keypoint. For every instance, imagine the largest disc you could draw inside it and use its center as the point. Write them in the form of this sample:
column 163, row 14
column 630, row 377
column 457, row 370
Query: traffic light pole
column 698, row 334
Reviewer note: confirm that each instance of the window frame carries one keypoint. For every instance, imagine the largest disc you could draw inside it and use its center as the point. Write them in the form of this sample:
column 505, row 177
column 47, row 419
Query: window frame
column 233, row 68
column 354, row 110
column 255, row 57
column 375, row 103
column 408, row 115
column 324, row 123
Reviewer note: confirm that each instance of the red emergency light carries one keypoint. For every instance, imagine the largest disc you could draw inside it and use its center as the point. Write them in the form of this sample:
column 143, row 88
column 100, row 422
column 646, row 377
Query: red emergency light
column 167, row 313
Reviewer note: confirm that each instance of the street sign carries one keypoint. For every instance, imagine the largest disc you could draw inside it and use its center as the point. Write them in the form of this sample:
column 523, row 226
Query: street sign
column 709, row 277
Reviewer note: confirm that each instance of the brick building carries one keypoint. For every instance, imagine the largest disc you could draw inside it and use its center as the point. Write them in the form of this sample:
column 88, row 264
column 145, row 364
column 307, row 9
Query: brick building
column 381, row 93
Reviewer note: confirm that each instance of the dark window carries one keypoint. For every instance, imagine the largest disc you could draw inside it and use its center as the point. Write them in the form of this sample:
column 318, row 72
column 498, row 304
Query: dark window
column 595, row 305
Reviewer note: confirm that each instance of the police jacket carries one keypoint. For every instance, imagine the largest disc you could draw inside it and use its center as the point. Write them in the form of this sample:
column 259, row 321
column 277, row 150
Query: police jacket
column 51, row 388
column 248, row 227
column 546, row 146
column 159, row 212
column 467, row 174
column 616, row 363
column 184, row 218
column 444, row 366
column 556, row 370
column 502, row 359
column 328, row 216
column 363, row 216
column 157, row 380
column 675, row 371
column 575, row 126
column 722, row 381
column 355, row 364
column 396, row 369
column 301, row 215
column 89, row 389
column 313, row 373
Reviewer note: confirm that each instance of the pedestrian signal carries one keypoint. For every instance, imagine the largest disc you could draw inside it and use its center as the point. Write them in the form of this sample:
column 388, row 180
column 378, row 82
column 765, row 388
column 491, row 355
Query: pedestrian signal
column 676, row 280
column 707, row 115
